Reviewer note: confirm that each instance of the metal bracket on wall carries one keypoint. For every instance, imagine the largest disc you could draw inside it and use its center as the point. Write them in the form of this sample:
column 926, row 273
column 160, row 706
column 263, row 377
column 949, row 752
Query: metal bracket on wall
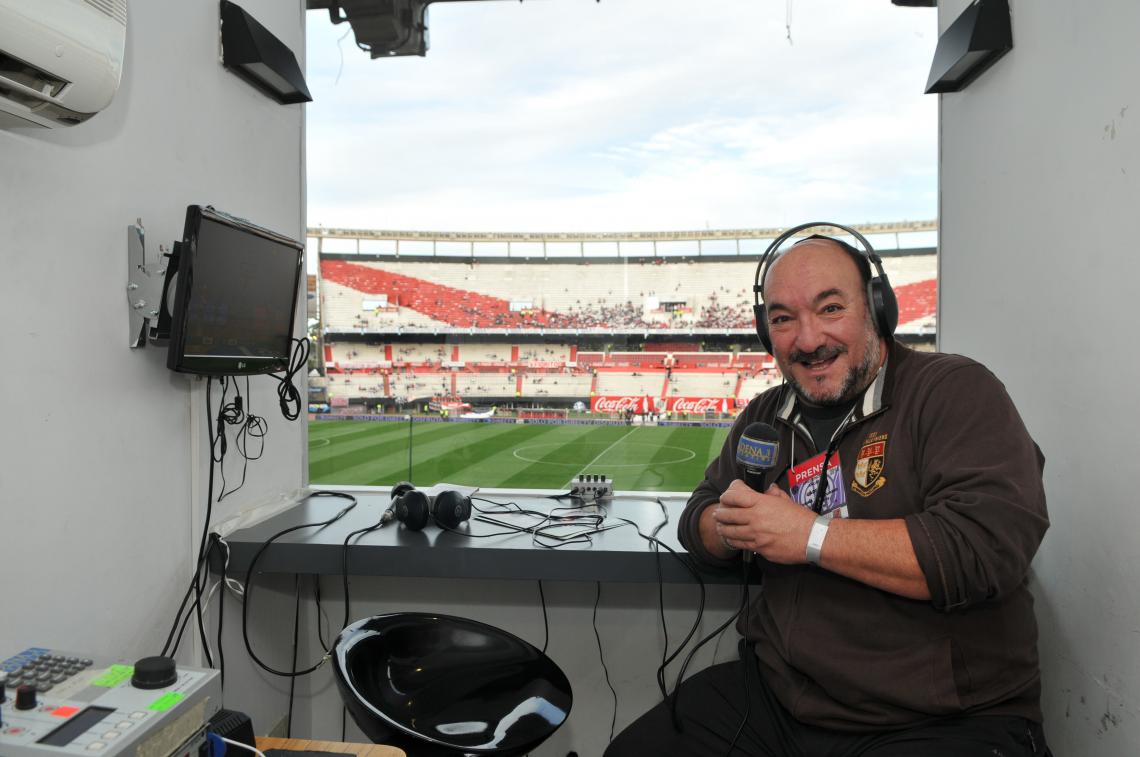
column 144, row 286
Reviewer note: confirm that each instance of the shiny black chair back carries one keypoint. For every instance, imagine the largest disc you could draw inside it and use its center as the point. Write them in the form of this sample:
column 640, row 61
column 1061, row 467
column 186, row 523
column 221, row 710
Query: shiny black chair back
column 443, row 685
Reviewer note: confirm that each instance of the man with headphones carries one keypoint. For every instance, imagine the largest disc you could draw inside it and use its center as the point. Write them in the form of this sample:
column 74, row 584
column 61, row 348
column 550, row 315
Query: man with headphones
column 893, row 539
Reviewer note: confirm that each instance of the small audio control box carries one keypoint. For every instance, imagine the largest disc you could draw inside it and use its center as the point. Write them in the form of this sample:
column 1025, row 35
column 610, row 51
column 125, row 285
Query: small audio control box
column 592, row 486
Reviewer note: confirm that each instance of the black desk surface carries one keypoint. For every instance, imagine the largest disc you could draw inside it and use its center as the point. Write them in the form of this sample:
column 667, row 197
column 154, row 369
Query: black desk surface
column 617, row 554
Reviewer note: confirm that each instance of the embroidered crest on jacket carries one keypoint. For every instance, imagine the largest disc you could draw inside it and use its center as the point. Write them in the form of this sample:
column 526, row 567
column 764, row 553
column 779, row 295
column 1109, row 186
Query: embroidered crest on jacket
column 869, row 466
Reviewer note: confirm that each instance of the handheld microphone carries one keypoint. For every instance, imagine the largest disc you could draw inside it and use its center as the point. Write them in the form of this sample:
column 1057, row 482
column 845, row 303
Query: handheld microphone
column 756, row 454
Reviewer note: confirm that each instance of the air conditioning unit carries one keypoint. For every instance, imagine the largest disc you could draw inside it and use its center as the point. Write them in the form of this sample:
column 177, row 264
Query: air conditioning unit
column 60, row 60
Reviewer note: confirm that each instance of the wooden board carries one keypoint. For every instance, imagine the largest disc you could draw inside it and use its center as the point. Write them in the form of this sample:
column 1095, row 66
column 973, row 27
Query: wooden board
column 339, row 747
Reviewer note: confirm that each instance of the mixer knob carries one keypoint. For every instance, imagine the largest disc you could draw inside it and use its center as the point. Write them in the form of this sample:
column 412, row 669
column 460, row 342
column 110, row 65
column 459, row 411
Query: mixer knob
column 154, row 673
column 25, row 697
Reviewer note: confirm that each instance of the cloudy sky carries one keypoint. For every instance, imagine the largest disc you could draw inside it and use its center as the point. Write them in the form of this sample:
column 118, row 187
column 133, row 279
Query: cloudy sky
column 552, row 115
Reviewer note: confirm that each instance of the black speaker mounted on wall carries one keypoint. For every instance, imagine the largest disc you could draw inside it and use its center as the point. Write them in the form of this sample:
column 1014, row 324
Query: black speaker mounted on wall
column 970, row 45
column 253, row 53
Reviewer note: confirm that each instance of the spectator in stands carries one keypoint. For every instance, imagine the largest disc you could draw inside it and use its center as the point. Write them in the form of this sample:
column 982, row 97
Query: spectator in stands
column 896, row 617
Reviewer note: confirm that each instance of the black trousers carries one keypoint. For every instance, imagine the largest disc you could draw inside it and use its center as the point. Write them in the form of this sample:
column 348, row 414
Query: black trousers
column 712, row 710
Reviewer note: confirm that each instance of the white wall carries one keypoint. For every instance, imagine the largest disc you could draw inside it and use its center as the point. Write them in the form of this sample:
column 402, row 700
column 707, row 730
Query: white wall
column 101, row 487
column 1039, row 188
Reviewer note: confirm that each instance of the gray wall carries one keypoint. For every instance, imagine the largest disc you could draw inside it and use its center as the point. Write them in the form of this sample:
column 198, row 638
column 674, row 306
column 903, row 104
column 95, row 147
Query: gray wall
column 103, row 459
column 1039, row 170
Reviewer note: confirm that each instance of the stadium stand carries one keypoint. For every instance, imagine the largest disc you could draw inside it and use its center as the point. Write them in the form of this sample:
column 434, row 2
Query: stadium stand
column 425, row 354
column 484, row 353
column 342, row 308
column 754, row 360
column 633, row 383
column 558, row 353
column 353, row 355
column 716, row 384
column 412, row 384
column 503, row 370
column 750, row 387
column 637, row 359
column 468, row 385
column 351, row 385
column 917, row 301
column 451, row 305
column 557, row 384
column 633, row 295
column 400, row 329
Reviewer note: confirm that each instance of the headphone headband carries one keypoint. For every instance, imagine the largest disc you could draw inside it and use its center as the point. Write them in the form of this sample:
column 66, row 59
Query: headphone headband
column 881, row 298
column 869, row 251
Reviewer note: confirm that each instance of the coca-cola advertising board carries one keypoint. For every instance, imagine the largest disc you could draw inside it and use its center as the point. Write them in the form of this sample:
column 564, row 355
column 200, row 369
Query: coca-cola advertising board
column 697, row 405
column 618, row 404
column 642, row 404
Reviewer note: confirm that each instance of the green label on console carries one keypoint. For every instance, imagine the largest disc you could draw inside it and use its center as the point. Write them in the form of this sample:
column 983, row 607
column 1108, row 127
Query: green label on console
column 113, row 676
column 166, row 701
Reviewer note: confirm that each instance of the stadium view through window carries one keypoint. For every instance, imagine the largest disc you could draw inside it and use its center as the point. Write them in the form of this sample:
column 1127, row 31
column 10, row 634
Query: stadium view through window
column 508, row 300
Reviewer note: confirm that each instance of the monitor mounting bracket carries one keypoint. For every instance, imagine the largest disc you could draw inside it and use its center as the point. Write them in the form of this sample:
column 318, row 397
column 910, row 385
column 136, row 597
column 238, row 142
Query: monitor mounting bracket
column 147, row 286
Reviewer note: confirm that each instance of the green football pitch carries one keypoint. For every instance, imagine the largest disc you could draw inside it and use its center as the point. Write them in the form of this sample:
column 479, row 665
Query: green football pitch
column 505, row 455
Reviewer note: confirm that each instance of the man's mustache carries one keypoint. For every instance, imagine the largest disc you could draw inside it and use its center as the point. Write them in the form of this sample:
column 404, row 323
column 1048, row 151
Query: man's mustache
column 820, row 353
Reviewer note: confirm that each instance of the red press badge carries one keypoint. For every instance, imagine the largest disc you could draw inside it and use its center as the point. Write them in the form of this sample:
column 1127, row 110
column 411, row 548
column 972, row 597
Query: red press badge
column 803, row 483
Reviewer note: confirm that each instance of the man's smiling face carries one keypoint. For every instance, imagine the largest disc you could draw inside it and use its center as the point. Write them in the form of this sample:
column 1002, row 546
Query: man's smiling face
column 822, row 335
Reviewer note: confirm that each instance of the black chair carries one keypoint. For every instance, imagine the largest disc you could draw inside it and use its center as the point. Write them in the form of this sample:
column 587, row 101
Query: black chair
column 442, row 685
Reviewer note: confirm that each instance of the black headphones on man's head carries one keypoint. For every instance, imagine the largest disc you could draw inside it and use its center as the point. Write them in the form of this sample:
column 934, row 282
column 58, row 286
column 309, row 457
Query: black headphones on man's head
column 414, row 509
column 880, row 297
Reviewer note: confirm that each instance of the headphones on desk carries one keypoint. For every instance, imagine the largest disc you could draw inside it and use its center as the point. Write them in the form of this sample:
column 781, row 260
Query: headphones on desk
column 880, row 296
column 414, row 509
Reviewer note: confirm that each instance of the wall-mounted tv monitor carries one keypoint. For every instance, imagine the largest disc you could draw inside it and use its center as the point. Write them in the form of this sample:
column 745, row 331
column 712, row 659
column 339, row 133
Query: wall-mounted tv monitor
column 235, row 297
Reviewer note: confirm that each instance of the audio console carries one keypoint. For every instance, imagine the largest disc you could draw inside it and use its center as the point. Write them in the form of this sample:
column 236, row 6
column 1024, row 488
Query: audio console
column 61, row 703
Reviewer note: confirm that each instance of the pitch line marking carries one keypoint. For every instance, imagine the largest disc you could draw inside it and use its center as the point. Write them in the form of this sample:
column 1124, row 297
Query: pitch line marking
column 316, row 443
column 607, row 449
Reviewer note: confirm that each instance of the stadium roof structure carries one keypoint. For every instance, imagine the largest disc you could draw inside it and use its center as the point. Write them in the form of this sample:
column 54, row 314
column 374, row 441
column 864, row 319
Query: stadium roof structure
column 867, row 229
column 888, row 239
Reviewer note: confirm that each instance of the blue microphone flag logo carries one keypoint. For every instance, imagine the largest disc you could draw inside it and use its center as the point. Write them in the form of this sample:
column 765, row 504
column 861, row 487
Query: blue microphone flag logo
column 755, row 453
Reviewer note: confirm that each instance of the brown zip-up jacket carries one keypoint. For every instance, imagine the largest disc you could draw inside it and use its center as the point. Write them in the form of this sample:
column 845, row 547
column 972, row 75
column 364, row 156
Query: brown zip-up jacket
column 937, row 441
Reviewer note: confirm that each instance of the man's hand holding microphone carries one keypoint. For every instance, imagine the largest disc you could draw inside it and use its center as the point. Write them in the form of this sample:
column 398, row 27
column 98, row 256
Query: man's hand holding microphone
column 754, row 515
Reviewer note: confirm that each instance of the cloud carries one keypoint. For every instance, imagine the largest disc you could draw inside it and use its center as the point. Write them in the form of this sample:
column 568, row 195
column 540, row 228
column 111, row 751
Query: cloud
column 627, row 114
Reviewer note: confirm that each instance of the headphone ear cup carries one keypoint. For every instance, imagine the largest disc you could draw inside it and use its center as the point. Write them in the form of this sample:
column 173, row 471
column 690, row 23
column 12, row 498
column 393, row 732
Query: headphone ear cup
column 761, row 314
column 451, row 508
column 412, row 510
column 884, row 306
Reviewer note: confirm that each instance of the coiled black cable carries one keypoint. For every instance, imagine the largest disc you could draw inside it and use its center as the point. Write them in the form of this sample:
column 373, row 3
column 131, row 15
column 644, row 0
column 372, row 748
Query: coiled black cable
column 288, row 396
